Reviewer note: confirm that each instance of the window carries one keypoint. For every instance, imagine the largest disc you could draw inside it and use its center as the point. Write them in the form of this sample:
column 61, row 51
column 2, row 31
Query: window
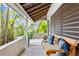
column 67, row 21
column 0, row 23
column 3, row 22
column 12, row 24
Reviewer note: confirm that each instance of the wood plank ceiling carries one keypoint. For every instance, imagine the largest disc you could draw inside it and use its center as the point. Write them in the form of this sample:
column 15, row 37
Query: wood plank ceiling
column 36, row 10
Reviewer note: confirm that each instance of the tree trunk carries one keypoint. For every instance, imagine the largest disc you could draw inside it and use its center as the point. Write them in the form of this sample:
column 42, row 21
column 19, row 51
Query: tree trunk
column 6, row 26
column 2, row 26
column 12, row 26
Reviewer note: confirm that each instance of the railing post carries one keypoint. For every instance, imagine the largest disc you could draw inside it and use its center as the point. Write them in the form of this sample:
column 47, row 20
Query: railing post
column 26, row 34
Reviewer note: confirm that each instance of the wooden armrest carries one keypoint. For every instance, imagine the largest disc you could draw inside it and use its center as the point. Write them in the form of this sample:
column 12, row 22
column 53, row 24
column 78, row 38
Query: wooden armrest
column 49, row 52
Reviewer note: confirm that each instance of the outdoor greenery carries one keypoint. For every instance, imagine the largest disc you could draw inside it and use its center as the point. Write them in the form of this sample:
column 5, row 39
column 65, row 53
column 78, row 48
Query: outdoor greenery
column 12, row 24
column 42, row 28
column 39, row 27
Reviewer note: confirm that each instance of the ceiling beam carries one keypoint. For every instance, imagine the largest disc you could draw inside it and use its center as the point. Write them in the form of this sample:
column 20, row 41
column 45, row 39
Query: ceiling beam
column 39, row 15
column 36, row 7
column 36, row 18
column 26, row 4
column 40, row 12
column 36, row 10
column 41, row 9
column 30, row 6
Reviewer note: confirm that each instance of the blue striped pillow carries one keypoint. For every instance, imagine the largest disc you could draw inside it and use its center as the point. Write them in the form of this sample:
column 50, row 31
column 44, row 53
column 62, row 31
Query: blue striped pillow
column 62, row 45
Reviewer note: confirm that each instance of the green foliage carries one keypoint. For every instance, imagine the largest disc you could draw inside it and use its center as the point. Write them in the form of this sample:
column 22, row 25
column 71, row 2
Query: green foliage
column 42, row 28
column 30, row 35
column 9, row 28
column 19, row 30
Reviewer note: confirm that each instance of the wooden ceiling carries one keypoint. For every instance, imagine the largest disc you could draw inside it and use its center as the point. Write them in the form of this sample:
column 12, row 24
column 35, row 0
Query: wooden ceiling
column 36, row 10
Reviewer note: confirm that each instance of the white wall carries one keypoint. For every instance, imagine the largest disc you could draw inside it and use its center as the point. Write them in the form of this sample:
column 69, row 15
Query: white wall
column 13, row 48
column 54, row 7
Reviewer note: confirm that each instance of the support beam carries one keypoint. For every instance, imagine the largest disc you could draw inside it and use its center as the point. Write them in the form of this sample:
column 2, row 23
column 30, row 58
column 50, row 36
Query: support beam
column 30, row 6
column 26, row 4
column 36, row 8
column 39, row 15
column 39, row 10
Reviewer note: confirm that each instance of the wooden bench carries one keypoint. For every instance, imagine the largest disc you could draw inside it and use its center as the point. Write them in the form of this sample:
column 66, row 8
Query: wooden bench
column 73, row 46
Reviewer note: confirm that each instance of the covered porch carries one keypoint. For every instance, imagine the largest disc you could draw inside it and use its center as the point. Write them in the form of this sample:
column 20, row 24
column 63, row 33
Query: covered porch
column 62, row 22
column 20, row 17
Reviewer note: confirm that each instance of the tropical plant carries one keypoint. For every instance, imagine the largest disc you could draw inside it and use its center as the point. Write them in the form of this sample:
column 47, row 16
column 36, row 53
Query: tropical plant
column 9, row 29
column 42, row 28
